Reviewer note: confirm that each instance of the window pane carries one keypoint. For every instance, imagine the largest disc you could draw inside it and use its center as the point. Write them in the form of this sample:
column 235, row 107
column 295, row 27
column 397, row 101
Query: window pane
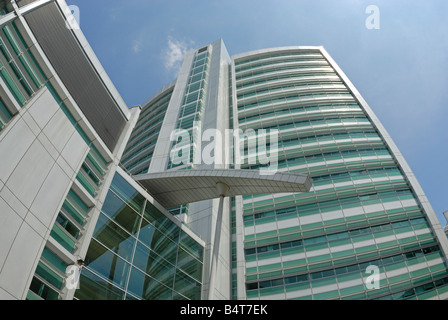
column 121, row 213
column 160, row 221
column 147, row 288
column 107, row 264
column 114, row 237
column 154, row 265
column 158, row 242
column 127, row 193
column 190, row 245
column 92, row 287
column 187, row 286
column 189, row 265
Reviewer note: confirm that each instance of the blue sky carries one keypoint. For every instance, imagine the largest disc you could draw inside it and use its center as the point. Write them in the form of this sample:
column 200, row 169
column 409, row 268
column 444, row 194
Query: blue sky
column 400, row 69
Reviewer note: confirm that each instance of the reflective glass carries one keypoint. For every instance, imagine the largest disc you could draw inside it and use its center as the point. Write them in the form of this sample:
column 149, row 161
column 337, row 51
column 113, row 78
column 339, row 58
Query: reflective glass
column 128, row 193
column 115, row 238
column 187, row 286
column 189, row 265
column 190, row 245
column 160, row 221
column 121, row 213
column 154, row 265
column 107, row 264
column 147, row 288
column 93, row 287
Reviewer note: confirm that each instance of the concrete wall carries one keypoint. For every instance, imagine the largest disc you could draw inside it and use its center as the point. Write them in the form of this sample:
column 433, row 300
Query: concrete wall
column 40, row 153
column 202, row 217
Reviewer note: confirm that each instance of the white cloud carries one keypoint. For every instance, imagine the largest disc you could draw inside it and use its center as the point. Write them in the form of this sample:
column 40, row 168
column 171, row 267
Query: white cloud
column 174, row 54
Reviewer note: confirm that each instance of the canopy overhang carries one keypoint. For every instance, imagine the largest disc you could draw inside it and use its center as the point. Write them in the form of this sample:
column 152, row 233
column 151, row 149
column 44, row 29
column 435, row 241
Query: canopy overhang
column 173, row 188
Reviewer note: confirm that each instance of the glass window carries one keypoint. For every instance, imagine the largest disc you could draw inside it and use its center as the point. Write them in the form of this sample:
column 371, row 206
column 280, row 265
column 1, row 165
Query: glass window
column 49, row 275
column 189, row 265
column 92, row 287
column 131, row 196
column 158, row 242
column 67, row 225
column 160, row 221
column 164, row 247
column 146, row 287
column 114, row 237
column 154, row 265
column 107, row 264
column 121, row 213
column 43, row 290
column 187, row 286
column 190, row 245
column 5, row 115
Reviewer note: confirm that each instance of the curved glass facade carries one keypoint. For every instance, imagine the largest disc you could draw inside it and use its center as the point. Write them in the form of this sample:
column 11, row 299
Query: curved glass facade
column 140, row 146
column 361, row 210
column 137, row 252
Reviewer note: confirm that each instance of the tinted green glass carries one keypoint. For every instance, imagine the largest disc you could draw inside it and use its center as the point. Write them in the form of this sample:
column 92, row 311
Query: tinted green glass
column 187, row 286
column 107, row 264
column 94, row 288
column 189, row 265
column 49, row 275
column 160, row 221
column 147, row 288
column 154, row 265
column 191, row 246
column 114, row 237
column 54, row 260
column 131, row 196
column 43, row 290
column 117, row 210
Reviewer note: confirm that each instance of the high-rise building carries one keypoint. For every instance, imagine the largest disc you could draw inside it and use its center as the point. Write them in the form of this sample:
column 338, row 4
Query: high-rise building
column 205, row 191
column 365, row 208
column 64, row 201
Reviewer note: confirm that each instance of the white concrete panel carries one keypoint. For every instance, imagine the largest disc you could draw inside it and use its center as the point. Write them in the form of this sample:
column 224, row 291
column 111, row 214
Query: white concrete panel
column 13, row 202
column 54, row 153
column 13, row 146
column 50, row 196
column 31, row 123
column 21, row 261
column 310, row 219
column 29, row 174
column 391, row 205
column 350, row 283
column 323, row 289
column 5, row 295
column 43, row 108
column 317, row 253
column 59, row 129
column 75, row 151
column 364, row 243
column 9, row 226
column 396, row 272
column 265, row 227
column 282, row 224
column 341, row 248
column 373, row 208
column 297, row 294
column 37, row 225
column 327, row 216
column 65, row 166
column 353, row 211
